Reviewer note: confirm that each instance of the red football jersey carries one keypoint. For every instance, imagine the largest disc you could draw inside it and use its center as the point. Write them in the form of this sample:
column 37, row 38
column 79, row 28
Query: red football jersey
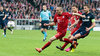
column 74, row 18
column 62, row 21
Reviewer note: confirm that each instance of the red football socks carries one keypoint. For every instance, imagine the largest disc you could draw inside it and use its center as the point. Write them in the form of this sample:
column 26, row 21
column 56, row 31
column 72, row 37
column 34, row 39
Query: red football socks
column 46, row 45
column 65, row 44
column 67, row 40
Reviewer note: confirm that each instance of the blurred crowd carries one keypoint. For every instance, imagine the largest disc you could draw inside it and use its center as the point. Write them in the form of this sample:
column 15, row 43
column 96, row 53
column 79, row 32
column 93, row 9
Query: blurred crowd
column 30, row 9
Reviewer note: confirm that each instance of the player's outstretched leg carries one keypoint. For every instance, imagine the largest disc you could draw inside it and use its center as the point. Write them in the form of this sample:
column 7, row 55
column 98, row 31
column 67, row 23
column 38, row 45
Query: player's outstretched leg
column 4, row 32
column 46, row 45
column 62, row 48
column 65, row 44
column 10, row 30
column 71, row 48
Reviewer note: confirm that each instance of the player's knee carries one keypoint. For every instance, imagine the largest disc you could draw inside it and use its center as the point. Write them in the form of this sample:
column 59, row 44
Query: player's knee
column 77, row 36
column 41, row 29
column 72, row 37
column 52, row 39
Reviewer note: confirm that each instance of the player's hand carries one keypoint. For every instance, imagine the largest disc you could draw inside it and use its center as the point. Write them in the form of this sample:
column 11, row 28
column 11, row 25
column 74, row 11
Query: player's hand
column 83, row 16
column 87, row 29
column 70, row 27
column 40, row 24
column 3, row 18
column 9, row 17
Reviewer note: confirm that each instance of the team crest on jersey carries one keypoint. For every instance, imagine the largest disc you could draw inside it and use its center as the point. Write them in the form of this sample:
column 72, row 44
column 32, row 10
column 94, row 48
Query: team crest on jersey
column 63, row 16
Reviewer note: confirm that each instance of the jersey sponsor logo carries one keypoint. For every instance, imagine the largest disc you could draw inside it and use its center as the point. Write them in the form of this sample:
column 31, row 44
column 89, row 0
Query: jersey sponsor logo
column 86, row 20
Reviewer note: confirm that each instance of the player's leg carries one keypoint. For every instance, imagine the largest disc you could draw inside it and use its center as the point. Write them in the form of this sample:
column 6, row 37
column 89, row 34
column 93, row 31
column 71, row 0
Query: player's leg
column 4, row 28
column 45, row 29
column 65, row 44
column 71, row 48
column 42, row 30
column 46, row 45
column 45, row 34
column 70, row 40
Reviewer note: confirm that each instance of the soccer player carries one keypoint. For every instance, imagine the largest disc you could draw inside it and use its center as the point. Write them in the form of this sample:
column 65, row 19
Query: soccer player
column 44, row 18
column 2, row 18
column 73, row 29
column 61, row 19
column 87, row 23
column 8, row 16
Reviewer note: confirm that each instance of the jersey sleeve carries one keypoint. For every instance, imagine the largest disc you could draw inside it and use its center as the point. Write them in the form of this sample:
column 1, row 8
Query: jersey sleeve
column 92, row 18
column 68, row 14
column 81, row 17
column 49, row 13
column 55, row 19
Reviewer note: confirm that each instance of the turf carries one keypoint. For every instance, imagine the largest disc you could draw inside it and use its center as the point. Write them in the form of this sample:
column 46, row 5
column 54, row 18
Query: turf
column 24, row 42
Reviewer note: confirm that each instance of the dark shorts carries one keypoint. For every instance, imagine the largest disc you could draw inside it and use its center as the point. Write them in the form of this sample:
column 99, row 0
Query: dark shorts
column 83, row 33
column 2, row 25
column 6, row 22
column 42, row 24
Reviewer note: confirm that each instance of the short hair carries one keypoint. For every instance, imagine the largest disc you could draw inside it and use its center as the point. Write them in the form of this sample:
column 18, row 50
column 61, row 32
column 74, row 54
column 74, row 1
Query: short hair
column 87, row 5
column 75, row 6
column 60, row 7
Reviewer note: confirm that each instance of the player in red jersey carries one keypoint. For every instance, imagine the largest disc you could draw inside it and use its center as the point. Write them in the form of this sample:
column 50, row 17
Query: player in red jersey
column 73, row 29
column 61, row 19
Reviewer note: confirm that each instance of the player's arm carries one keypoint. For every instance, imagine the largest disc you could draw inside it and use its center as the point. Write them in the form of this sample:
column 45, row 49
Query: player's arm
column 53, row 23
column 40, row 19
column 77, row 14
column 9, row 17
column 92, row 26
column 50, row 16
column 50, row 24
column 4, row 17
column 74, row 23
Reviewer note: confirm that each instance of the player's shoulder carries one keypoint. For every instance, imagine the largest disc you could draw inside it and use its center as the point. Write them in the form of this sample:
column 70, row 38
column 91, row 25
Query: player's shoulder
column 56, row 14
column 91, row 14
column 79, row 12
column 65, row 13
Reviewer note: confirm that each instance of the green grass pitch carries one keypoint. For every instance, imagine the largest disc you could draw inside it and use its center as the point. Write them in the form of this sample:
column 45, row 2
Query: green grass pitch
column 24, row 42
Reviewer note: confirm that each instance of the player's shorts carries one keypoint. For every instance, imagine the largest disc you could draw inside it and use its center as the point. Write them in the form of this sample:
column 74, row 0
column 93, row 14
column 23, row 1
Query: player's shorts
column 43, row 22
column 60, row 35
column 83, row 33
column 2, row 25
column 5, row 22
column 74, row 30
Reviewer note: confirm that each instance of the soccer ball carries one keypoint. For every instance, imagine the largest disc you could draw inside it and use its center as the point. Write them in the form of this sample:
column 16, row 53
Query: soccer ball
column 11, row 24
